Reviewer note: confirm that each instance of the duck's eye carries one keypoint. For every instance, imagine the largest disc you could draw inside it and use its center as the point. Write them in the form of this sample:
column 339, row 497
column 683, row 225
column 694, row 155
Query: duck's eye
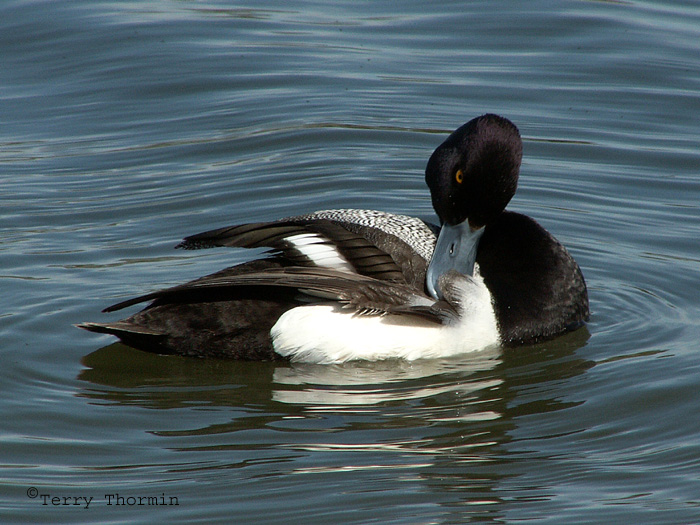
column 459, row 177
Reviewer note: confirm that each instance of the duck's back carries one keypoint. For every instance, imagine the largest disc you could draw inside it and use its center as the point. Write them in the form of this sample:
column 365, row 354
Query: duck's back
column 382, row 245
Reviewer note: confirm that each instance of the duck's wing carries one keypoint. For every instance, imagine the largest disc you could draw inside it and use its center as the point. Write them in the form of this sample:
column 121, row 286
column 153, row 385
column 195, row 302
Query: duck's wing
column 361, row 294
column 311, row 243
column 381, row 245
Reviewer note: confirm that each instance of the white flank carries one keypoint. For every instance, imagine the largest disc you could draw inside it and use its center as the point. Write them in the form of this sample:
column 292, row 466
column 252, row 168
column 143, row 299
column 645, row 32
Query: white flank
column 320, row 251
column 329, row 334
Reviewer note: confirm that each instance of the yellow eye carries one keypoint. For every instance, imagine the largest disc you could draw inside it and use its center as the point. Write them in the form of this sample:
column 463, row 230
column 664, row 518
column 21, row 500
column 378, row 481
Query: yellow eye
column 459, row 177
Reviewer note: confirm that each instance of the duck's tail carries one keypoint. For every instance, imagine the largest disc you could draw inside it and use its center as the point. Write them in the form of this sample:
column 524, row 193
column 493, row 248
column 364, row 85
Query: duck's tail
column 123, row 330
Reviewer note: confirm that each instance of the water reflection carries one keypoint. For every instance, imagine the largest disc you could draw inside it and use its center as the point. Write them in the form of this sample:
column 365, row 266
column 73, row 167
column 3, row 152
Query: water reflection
column 478, row 388
column 438, row 428
column 328, row 388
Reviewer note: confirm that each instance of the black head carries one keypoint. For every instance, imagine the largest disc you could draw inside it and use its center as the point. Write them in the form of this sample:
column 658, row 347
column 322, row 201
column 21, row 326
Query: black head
column 474, row 173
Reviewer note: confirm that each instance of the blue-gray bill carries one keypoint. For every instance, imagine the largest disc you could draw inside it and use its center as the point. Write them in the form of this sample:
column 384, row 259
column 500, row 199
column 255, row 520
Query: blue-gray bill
column 455, row 250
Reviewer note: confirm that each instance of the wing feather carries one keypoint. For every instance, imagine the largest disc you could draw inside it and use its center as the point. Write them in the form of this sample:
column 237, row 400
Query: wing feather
column 306, row 242
column 362, row 294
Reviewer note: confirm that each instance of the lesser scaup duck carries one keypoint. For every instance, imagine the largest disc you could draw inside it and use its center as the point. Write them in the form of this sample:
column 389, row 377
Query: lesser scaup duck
column 359, row 284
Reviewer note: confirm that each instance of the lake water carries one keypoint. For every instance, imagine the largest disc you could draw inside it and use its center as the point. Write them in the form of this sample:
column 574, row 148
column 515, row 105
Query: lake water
column 126, row 126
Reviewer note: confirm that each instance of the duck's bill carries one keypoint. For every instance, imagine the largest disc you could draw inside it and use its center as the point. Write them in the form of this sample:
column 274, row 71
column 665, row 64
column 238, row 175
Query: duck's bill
column 455, row 250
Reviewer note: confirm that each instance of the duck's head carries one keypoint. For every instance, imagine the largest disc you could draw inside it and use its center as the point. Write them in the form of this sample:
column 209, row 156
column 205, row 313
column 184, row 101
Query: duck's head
column 472, row 176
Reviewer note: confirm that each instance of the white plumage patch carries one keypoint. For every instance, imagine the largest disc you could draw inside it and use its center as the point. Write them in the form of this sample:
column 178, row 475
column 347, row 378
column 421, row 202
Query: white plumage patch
column 319, row 251
column 330, row 334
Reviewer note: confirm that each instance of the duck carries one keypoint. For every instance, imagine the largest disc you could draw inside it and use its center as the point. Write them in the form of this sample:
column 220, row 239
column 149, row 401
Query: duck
column 348, row 284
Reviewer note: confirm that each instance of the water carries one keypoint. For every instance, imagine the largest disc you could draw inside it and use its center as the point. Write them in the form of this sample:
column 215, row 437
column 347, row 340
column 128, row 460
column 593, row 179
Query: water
column 127, row 126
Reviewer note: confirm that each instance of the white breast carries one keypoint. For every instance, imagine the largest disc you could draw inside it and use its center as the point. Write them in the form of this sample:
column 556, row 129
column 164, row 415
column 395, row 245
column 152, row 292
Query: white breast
column 330, row 334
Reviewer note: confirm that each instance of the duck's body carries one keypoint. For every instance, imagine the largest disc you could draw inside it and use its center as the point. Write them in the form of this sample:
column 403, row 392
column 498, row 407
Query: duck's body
column 361, row 284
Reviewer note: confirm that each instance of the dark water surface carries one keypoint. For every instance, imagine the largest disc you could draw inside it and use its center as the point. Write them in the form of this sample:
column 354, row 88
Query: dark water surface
column 126, row 126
